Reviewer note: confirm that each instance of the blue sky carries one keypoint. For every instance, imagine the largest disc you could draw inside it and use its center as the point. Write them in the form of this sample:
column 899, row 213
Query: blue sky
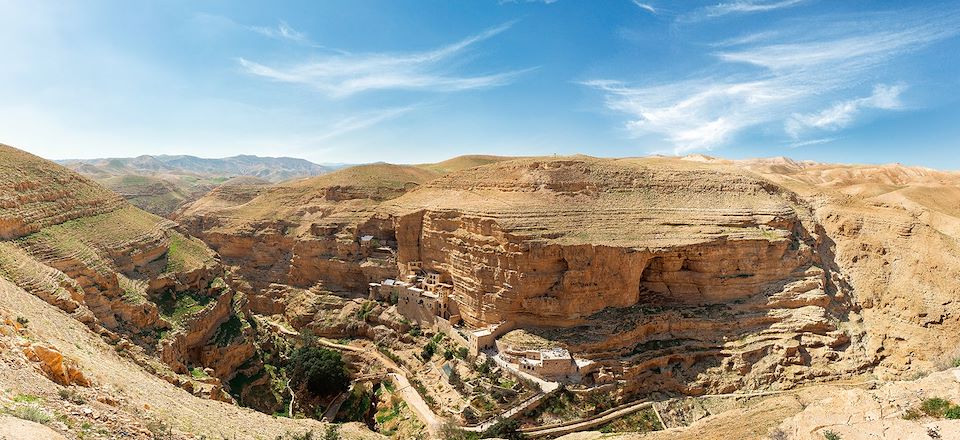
column 421, row 81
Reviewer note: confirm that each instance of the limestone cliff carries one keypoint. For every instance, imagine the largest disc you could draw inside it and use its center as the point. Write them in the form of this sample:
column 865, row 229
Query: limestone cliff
column 306, row 231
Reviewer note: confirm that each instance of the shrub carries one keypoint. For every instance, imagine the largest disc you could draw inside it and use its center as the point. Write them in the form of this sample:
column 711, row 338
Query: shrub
column 953, row 412
column 462, row 352
column 450, row 430
column 935, row 406
column 778, row 434
column 415, row 331
column 71, row 395
column 22, row 321
column 448, row 354
column 332, row 433
column 507, row 429
column 830, row 435
column 427, row 353
column 308, row 435
column 159, row 430
column 485, row 367
column 32, row 413
column 323, row 371
column 365, row 310
column 26, row 398
column 911, row 414
column 198, row 373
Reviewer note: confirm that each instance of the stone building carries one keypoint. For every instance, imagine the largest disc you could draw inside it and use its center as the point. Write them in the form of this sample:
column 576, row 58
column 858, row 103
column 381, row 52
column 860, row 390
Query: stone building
column 419, row 299
column 554, row 364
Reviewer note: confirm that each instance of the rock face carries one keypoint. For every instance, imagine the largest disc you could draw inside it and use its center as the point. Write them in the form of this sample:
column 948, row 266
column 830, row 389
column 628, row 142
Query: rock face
column 540, row 240
column 307, row 231
column 672, row 275
column 880, row 413
column 896, row 235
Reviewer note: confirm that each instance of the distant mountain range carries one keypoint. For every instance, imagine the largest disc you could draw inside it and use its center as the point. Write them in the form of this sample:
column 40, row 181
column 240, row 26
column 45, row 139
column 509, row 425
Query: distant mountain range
column 273, row 169
column 163, row 184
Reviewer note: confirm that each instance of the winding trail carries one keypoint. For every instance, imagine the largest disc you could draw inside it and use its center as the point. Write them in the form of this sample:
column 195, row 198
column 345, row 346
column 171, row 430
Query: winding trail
column 399, row 375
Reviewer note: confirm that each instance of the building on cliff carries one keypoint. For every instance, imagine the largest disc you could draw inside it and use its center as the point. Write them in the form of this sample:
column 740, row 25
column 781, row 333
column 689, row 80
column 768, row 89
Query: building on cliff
column 551, row 363
column 420, row 299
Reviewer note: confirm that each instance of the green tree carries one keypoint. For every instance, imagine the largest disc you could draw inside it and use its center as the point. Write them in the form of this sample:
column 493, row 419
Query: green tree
column 323, row 371
column 428, row 351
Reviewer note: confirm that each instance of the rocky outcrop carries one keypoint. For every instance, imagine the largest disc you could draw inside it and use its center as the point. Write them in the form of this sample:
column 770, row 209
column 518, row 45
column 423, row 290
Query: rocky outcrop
column 551, row 242
column 14, row 335
column 648, row 267
column 307, row 231
column 54, row 366
column 894, row 231
column 891, row 411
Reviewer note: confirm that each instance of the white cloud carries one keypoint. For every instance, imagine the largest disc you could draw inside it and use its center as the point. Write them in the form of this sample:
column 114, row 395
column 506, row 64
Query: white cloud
column 737, row 7
column 785, row 81
column 842, row 114
column 812, row 142
column 283, row 31
column 346, row 74
column 747, row 6
column 645, row 6
column 358, row 122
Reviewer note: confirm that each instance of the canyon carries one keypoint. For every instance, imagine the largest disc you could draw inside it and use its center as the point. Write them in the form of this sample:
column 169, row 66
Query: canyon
column 671, row 277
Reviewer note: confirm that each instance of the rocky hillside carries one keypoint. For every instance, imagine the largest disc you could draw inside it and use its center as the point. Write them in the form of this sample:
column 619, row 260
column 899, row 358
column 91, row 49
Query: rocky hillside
column 304, row 232
column 128, row 301
column 55, row 369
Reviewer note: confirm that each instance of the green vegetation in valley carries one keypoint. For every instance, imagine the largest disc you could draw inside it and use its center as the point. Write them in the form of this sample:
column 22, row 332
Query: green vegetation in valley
column 176, row 307
column 186, row 253
column 322, row 371
column 228, row 331
column 357, row 407
column 640, row 421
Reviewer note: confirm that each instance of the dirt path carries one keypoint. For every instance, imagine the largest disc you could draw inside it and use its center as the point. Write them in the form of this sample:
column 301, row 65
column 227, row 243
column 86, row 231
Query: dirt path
column 400, row 376
column 588, row 423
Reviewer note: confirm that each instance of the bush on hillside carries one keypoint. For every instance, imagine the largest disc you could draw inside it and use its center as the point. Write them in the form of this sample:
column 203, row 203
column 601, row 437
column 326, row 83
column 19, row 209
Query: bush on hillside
column 323, row 371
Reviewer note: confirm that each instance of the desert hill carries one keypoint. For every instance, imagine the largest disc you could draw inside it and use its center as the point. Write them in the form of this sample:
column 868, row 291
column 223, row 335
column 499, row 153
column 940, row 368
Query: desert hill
column 162, row 184
column 463, row 162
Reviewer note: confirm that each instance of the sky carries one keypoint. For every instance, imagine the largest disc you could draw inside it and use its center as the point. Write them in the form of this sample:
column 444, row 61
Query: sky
column 400, row 81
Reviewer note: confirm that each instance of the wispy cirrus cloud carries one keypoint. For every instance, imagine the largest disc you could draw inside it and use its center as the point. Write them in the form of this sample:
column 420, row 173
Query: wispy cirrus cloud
column 645, row 6
column 282, row 31
column 346, row 74
column 800, row 80
column 842, row 114
column 737, row 7
column 361, row 121
column 807, row 143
